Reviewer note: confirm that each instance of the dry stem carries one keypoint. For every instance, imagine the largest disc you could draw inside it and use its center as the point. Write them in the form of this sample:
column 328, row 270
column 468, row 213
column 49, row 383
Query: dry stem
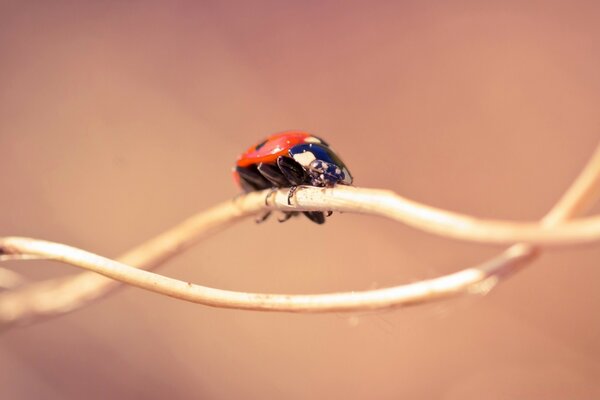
column 44, row 299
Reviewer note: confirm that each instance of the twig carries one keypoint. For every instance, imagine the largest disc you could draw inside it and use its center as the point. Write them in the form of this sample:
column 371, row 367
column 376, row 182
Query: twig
column 440, row 222
column 62, row 295
column 350, row 301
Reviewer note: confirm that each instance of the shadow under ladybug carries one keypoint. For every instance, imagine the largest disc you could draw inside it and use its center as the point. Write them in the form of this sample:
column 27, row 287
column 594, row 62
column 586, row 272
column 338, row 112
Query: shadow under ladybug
column 288, row 160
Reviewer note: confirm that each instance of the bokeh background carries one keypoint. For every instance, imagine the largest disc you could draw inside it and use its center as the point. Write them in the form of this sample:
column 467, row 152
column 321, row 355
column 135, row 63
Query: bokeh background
column 119, row 119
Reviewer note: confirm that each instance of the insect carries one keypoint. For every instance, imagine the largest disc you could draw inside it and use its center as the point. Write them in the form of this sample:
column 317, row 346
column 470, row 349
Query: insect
column 290, row 159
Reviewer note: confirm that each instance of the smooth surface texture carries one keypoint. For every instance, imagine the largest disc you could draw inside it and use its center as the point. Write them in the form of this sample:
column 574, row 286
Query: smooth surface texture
column 118, row 121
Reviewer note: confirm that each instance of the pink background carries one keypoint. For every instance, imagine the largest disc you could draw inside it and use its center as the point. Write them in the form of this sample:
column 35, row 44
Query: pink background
column 119, row 119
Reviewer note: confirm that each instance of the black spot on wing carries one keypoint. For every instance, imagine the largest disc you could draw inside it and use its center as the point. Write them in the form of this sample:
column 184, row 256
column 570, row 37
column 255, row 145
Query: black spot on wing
column 261, row 144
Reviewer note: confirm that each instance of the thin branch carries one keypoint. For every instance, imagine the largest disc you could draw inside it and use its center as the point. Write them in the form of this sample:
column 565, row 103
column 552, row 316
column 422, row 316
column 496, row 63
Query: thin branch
column 440, row 222
column 427, row 290
column 58, row 296
column 55, row 297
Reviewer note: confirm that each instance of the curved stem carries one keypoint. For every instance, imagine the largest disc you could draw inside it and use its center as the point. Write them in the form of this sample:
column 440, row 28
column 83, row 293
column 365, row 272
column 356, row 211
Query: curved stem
column 59, row 296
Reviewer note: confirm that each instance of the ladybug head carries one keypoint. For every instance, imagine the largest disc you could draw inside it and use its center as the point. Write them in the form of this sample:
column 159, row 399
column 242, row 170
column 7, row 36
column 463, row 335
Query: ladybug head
column 323, row 166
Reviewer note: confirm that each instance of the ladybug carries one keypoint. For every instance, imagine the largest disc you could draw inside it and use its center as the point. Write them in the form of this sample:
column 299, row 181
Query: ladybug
column 290, row 159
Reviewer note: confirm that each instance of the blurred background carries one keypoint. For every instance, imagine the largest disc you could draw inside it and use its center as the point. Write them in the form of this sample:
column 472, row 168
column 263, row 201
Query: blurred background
column 120, row 119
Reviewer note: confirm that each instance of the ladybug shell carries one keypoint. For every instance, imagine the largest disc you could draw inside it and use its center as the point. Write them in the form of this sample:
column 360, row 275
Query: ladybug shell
column 307, row 160
column 272, row 147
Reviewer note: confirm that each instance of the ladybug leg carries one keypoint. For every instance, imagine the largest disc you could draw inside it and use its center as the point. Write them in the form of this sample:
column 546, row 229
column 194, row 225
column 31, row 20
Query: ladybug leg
column 263, row 217
column 293, row 172
column 329, row 213
column 273, row 174
column 271, row 193
column 291, row 193
column 251, row 179
column 286, row 216
column 315, row 216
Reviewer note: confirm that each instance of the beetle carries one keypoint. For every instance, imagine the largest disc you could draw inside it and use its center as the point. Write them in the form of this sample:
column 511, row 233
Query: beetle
column 290, row 159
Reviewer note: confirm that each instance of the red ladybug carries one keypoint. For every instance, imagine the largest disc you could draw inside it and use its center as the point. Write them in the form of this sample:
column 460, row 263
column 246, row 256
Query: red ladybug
column 290, row 159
